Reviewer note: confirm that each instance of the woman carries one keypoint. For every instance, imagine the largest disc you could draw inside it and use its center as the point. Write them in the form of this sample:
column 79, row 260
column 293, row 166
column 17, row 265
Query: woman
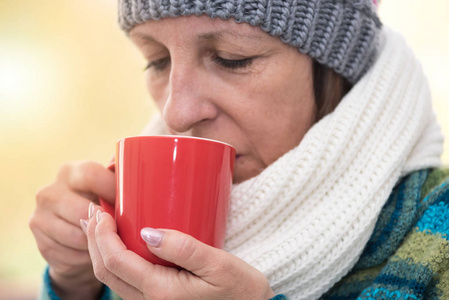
column 336, row 193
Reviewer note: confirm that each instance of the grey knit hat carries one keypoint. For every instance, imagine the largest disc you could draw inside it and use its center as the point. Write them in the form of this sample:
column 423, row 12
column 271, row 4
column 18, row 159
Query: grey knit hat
column 340, row 34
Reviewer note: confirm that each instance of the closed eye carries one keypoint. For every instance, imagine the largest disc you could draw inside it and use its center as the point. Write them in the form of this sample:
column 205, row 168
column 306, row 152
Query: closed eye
column 158, row 65
column 233, row 64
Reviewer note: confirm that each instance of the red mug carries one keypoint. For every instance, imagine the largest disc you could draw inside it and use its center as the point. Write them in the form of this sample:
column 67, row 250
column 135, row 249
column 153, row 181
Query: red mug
column 172, row 182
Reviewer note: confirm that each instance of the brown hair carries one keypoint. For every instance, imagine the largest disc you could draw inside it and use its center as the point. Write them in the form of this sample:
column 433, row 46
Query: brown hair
column 329, row 88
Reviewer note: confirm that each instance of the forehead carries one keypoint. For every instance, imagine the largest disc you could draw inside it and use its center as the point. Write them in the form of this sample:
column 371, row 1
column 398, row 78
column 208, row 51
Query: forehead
column 200, row 28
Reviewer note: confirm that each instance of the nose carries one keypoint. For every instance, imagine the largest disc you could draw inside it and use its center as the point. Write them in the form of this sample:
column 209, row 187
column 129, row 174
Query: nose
column 189, row 100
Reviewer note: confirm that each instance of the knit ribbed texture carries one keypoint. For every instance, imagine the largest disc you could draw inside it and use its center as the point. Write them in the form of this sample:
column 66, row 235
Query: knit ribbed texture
column 398, row 262
column 407, row 256
column 305, row 220
column 340, row 34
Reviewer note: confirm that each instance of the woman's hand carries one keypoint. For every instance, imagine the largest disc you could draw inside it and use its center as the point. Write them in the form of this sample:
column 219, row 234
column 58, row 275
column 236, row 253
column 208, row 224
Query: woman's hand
column 209, row 273
column 56, row 226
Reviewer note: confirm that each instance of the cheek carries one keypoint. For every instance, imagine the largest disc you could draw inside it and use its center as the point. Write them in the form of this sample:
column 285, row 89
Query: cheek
column 157, row 88
column 283, row 110
column 279, row 98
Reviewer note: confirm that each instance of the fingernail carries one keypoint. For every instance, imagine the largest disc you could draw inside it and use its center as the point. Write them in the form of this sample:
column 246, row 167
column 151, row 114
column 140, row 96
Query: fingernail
column 83, row 224
column 98, row 215
column 91, row 210
column 151, row 236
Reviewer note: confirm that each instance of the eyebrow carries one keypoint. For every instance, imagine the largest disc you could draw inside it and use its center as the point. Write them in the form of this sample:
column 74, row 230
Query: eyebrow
column 144, row 36
column 209, row 36
column 213, row 36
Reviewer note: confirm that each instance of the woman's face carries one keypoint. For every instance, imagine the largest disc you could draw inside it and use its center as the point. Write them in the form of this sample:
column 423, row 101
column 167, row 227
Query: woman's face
column 230, row 82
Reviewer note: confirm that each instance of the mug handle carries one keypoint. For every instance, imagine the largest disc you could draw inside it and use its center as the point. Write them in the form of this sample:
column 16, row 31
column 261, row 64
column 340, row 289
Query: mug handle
column 109, row 208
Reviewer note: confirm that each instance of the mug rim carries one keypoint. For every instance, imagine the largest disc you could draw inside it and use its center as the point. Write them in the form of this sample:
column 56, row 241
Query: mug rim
column 176, row 136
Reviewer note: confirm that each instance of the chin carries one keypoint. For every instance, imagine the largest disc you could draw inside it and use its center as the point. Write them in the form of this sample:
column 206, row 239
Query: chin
column 244, row 171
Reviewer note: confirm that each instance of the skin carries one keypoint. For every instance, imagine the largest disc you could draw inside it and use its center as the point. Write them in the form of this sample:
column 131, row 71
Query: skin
column 263, row 109
column 210, row 78
column 56, row 226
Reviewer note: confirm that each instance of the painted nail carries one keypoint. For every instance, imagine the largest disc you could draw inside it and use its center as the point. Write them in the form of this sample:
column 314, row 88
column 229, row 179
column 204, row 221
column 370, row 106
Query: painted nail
column 83, row 224
column 151, row 236
column 98, row 215
column 91, row 210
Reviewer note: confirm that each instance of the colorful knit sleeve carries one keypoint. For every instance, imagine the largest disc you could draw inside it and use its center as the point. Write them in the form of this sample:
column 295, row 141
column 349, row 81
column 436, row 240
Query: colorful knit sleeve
column 47, row 292
column 407, row 256
column 419, row 269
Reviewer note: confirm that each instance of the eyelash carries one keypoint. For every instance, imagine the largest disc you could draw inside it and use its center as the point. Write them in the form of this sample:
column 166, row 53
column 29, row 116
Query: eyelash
column 233, row 64
column 161, row 64
column 158, row 65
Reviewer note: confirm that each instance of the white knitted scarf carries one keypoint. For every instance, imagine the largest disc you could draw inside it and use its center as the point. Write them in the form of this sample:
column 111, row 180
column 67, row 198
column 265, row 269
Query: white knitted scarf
column 305, row 219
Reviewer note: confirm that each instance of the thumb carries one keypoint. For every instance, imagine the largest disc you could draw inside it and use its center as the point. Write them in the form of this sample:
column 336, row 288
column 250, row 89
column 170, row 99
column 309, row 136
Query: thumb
column 181, row 249
column 110, row 199
column 91, row 178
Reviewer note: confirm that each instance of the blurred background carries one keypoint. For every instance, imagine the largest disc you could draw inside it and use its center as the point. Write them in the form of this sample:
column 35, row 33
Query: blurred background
column 71, row 84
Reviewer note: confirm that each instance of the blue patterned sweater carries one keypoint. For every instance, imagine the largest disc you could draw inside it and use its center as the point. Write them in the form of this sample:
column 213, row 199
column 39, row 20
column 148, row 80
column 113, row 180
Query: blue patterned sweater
column 407, row 256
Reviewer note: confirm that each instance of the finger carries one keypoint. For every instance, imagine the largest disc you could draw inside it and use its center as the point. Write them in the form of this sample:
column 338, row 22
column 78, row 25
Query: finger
column 58, row 229
column 72, row 207
column 215, row 268
column 182, row 250
column 59, row 219
column 124, row 263
column 151, row 280
column 94, row 178
column 102, row 271
column 63, row 259
column 63, row 202
column 64, row 233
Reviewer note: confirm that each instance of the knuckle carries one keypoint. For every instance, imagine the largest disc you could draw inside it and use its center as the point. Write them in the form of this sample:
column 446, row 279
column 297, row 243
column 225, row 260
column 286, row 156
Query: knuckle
column 36, row 223
column 84, row 175
column 88, row 171
column 48, row 195
column 45, row 250
column 111, row 261
column 100, row 271
column 32, row 222
column 65, row 169
column 186, row 247
column 43, row 195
